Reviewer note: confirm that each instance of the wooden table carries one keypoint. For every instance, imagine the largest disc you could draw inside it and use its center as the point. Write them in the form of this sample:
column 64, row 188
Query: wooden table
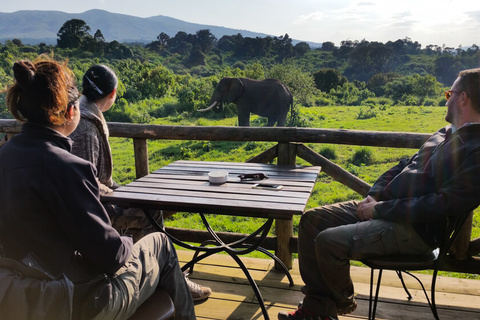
column 184, row 186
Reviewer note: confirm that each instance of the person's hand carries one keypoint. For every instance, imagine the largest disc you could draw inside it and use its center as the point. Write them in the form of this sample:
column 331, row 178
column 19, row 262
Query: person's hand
column 365, row 208
column 104, row 189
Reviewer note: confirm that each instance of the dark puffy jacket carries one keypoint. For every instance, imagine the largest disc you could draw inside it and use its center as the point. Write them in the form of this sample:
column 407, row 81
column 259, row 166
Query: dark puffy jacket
column 439, row 181
column 49, row 206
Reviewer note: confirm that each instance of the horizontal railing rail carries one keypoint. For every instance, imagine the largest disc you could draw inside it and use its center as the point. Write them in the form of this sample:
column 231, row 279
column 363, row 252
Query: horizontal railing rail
column 290, row 146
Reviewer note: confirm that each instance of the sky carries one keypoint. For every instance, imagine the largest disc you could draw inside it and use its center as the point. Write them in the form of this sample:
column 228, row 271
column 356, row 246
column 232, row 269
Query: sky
column 452, row 23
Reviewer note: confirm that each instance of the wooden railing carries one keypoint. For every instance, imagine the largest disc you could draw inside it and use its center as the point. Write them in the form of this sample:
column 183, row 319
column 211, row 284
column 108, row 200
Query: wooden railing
column 290, row 146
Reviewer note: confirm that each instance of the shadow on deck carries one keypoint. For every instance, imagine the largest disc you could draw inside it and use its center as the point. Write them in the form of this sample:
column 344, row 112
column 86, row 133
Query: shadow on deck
column 233, row 298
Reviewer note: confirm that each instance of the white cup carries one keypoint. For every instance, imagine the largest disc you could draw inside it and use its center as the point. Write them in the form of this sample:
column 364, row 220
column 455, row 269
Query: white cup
column 219, row 176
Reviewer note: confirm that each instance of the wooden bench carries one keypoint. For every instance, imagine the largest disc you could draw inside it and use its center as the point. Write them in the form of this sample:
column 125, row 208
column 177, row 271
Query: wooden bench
column 158, row 307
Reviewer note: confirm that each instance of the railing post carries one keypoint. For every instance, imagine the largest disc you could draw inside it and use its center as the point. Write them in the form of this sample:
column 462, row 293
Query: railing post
column 287, row 155
column 140, row 151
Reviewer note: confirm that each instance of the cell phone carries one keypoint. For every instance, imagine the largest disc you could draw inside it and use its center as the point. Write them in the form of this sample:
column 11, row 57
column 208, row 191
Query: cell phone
column 267, row 186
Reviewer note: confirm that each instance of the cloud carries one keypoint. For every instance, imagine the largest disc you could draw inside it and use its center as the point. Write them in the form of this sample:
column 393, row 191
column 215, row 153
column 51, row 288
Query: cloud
column 312, row 17
column 365, row 4
column 404, row 20
column 473, row 16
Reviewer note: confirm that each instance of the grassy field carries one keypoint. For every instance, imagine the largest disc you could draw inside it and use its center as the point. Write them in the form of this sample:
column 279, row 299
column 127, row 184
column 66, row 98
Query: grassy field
column 394, row 119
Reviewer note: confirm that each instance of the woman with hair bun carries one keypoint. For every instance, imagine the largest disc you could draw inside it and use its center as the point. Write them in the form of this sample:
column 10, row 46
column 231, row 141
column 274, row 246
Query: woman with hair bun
column 90, row 142
column 51, row 211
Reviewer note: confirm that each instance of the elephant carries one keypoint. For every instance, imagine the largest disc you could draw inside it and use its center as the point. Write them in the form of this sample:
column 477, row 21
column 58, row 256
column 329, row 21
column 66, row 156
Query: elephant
column 267, row 98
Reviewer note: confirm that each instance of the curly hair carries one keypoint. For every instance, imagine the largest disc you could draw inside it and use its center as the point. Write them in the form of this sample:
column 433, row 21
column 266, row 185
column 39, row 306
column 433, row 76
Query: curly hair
column 42, row 91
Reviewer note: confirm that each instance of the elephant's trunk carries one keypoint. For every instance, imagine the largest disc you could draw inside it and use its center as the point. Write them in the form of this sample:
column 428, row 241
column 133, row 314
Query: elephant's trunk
column 209, row 108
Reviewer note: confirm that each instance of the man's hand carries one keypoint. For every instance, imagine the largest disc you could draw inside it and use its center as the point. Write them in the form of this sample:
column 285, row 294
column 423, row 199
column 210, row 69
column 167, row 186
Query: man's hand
column 104, row 189
column 365, row 208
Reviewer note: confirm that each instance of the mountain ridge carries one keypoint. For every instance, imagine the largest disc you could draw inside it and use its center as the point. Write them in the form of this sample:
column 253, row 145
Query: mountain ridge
column 37, row 26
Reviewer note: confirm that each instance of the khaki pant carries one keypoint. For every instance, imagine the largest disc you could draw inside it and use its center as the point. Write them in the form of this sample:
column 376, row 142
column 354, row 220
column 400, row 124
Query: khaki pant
column 153, row 263
column 329, row 237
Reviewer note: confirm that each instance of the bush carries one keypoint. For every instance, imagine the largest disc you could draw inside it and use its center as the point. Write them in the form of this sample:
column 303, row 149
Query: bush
column 258, row 122
column 353, row 169
column 442, row 102
column 323, row 101
column 251, row 145
column 328, row 152
column 428, row 102
column 408, row 100
column 363, row 156
column 382, row 101
column 366, row 113
column 168, row 109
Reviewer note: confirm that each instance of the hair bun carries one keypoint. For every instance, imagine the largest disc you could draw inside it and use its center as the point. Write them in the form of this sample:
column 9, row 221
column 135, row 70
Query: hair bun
column 24, row 72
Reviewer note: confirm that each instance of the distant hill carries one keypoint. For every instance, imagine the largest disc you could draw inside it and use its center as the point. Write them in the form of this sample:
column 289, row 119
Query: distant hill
column 36, row 26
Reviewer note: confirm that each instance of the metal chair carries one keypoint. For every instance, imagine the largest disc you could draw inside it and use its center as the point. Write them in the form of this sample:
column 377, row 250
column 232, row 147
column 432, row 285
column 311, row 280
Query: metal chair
column 158, row 307
column 406, row 263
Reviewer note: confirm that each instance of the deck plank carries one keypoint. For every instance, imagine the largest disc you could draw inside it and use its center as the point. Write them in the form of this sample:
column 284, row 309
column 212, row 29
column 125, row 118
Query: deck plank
column 233, row 298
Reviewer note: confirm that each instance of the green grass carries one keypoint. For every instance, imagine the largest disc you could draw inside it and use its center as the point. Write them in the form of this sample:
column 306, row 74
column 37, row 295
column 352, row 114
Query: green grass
column 394, row 119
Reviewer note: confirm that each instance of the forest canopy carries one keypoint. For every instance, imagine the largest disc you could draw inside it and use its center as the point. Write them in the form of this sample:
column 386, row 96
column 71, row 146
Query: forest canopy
column 176, row 75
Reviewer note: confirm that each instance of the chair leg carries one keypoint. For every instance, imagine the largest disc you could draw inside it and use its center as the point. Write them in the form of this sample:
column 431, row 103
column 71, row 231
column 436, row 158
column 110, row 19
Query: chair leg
column 371, row 294
column 372, row 311
column 399, row 274
column 433, row 306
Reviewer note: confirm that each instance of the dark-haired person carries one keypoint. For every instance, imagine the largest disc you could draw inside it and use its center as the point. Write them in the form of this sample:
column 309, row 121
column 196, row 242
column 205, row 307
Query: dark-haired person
column 90, row 142
column 51, row 207
column 404, row 213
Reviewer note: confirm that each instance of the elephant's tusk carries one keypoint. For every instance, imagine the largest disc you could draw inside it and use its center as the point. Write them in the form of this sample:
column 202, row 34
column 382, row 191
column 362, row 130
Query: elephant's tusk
column 209, row 108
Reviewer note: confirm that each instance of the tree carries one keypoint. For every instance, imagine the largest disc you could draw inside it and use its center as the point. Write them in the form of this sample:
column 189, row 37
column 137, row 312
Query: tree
column 301, row 49
column 300, row 83
column 328, row 79
column 205, row 40
column 283, row 46
column 156, row 82
column 98, row 36
column 230, row 43
column 328, row 46
column 377, row 83
column 181, row 43
column 196, row 58
column 17, row 42
column 73, row 33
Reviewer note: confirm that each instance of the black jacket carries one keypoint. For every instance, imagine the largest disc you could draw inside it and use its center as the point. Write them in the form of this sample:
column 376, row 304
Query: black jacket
column 440, row 180
column 49, row 205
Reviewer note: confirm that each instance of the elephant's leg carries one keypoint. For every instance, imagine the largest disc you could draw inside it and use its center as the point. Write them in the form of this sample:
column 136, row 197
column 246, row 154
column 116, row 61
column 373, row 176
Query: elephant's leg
column 243, row 116
column 282, row 119
column 271, row 121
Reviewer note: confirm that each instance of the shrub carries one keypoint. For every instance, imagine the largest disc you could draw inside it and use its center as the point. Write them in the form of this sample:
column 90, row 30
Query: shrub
column 328, row 152
column 251, row 145
column 382, row 101
column 366, row 113
column 207, row 146
column 363, row 156
column 323, row 101
column 430, row 102
column 353, row 169
column 259, row 121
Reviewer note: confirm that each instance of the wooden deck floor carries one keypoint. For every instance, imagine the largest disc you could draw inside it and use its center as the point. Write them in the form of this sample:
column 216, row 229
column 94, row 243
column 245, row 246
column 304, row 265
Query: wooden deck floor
column 233, row 298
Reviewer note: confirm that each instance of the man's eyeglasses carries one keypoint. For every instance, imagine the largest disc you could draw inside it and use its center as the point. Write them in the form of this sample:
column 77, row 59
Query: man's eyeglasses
column 448, row 94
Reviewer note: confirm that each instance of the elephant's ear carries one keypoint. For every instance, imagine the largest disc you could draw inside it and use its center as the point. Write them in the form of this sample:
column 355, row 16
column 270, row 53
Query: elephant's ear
column 236, row 89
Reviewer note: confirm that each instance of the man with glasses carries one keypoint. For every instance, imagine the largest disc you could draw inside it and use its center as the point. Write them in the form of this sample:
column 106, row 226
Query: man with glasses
column 403, row 213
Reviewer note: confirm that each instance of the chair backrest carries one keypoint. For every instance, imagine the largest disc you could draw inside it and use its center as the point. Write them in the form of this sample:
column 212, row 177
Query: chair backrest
column 452, row 230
